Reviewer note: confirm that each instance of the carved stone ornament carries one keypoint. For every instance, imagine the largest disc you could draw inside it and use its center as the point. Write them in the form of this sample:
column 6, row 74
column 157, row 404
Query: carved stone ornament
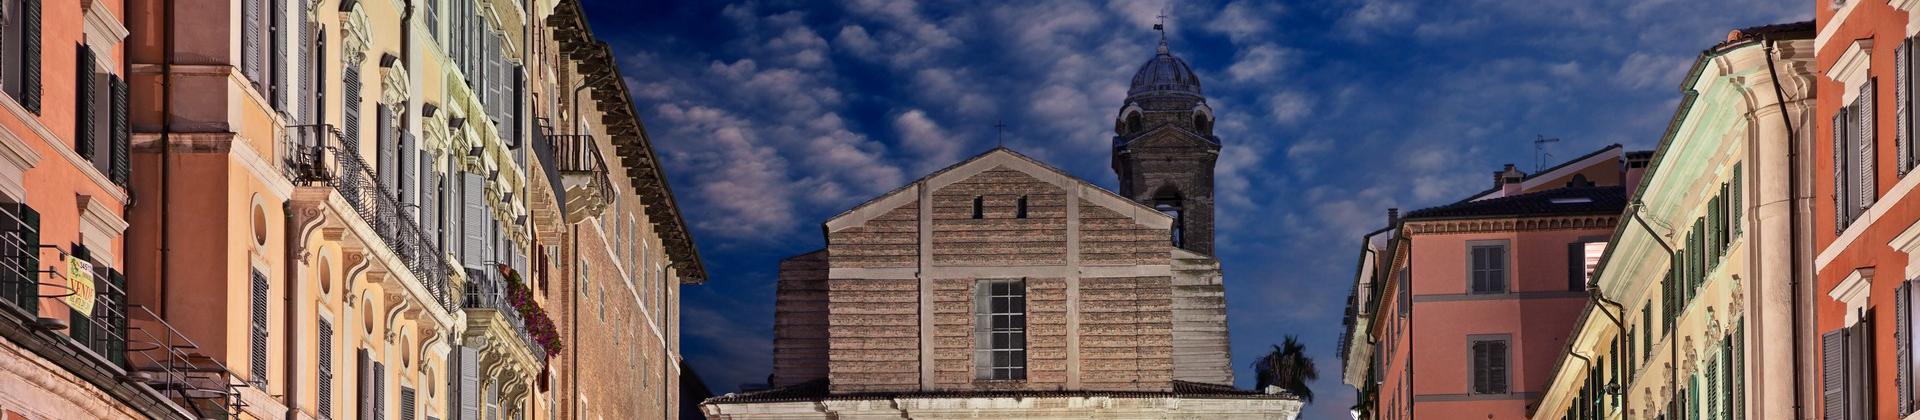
column 1713, row 323
column 1736, row 308
column 355, row 39
column 394, row 88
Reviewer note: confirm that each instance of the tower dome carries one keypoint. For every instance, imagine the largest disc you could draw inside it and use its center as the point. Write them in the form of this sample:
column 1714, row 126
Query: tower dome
column 1165, row 73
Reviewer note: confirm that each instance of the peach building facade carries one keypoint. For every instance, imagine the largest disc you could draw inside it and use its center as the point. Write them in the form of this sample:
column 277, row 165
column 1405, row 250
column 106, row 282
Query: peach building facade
column 348, row 209
column 1498, row 277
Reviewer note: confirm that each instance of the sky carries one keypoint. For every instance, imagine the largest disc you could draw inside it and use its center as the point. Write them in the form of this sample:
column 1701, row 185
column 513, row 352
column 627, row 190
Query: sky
column 772, row 116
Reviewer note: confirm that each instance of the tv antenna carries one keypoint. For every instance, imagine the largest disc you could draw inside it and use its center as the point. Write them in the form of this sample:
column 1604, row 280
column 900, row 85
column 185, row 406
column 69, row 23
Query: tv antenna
column 1540, row 154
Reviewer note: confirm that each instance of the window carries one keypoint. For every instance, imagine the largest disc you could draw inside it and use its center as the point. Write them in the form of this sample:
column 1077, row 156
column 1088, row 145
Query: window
column 1845, row 372
column 1853, row 158
column 1582, row 258
column 979, row 210
column 1903, row 342
column 1489, row 364
column 20, row 52
column 1903, row 68
column 1488, row 266
column 1020, row 210
column 1000, row 329
column 325, row 353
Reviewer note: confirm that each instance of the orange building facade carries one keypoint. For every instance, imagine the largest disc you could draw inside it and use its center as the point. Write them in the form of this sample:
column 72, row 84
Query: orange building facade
column 1486, row 288
column 1867, row 226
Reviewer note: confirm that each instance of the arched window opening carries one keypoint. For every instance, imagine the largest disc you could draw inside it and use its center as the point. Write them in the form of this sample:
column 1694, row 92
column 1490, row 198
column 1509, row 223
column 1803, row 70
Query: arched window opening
column 1133, row 123
column 1202, row 125
column 1020, row 210
column 978, row 211
column 1168, row 202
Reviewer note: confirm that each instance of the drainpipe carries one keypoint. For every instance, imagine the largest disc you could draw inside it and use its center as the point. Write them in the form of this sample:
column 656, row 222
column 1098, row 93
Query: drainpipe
column 291, row 265
column 166, row 153
column 1620, row 329
column 1673, row 349
column 1583, row 359
column 1793, row 194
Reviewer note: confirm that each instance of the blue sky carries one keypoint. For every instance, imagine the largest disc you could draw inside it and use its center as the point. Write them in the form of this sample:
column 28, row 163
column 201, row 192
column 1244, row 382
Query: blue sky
column 773, row 115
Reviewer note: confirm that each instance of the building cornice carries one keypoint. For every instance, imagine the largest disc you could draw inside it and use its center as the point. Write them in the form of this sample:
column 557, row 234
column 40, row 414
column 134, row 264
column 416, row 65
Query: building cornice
column 1510, row 224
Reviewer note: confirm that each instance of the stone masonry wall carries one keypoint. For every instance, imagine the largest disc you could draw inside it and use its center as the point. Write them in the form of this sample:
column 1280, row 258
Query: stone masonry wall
column 999, row 237
column 1126, row 331
column 800, row 320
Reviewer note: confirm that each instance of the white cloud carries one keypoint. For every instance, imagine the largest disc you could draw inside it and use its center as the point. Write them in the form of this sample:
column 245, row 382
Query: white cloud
column 1376, row 16
column 854, row 38
column 1642, row 70
column 1260, row 62
column 933, row 145
column 1288, row 107
column 1243, row 20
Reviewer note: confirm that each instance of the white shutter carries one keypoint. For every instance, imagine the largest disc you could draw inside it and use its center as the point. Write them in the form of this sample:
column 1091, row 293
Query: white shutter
column 469, row 384
column 1865, row 135
column 1903, row 112
column 474, row 212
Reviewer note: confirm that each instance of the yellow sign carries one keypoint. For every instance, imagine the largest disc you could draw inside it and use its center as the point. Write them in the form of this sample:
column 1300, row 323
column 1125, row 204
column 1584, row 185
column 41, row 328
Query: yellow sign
column 80, row 279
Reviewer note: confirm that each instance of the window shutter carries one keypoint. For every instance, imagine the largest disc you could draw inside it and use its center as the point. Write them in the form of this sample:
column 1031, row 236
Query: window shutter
column 252, row 47
column 409, row 176
column 430, row 201
column 309, row 74
column 1740, row 369
column 1713, row 386
column 1864, row 171
column 30, row 55
column 384, row 146
column 379, row 391
column 469, row 383
column 363, row 372
column 120, row 169
column 1833, row 374
column 1840, row 207
column 1902, row 81
column 278, row 59
column 350, row 107
column 325, row 353
column 475, row 212
column 83, row 103
column 1497, row 368
column 257, row 340
column 408, row 403
column 1903, row 353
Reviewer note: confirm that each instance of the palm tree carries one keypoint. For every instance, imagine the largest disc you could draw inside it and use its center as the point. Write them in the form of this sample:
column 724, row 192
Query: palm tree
column 1287, row 367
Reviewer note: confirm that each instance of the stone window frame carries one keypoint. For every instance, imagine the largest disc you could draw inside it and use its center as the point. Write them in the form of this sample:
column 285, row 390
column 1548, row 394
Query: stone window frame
column 1506, row 266
column 1473, row 371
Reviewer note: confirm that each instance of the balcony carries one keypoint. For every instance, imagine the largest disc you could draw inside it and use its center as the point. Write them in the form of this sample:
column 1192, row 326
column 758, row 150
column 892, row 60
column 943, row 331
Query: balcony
column 583, row 176
column 318, row 155
column 489, row 307
column 124, row 349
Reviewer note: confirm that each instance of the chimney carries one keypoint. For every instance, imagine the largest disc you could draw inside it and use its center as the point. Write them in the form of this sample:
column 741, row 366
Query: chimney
column 1636, row 165
column 1393, row 217
column 1508, row 180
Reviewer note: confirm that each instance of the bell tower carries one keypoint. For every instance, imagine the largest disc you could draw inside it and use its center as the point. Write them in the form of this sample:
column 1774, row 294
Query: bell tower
column 1164, row 149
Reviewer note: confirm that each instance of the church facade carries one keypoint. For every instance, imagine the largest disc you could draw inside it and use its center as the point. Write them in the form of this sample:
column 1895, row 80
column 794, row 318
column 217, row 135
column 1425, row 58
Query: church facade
column 1001, row 286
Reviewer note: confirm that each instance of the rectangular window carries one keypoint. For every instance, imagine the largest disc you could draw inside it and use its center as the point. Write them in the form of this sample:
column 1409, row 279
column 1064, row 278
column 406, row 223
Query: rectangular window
column 1489, row 364
column 1488, row 266
column 1845, row 376
column 1853, row 158
column 1020, row 210
column 979, row 210
column 1000, row 329
column 1903, row 342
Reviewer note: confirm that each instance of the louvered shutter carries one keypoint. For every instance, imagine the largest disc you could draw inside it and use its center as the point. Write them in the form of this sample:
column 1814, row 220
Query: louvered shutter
column 1497, row 367
column 384, row 147
column 83, row 103
column 278, row 26
column 430, row 201
column 1740, row 369
column 350, row 107
column 30, row 55
column 363, row 373
column 1840, row 207
column 120, row 167
column 1713, row 386
column 1903, row 362
column 1864, row 169
column 1903, row 113
column 409, row 171
column 469, row 383
column 309, row 63
column 325, row 353
column 252, row 48
column 1576, row 266
column 475, row 212
column 408, row 404
column 379, row 391
column 257, row 339
column 1833, row 375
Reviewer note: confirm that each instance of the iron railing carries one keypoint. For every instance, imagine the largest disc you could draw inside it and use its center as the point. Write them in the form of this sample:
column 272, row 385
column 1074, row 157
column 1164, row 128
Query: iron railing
column 317, row 154
column 576, row 154
column 130, row 341
column 487, row 290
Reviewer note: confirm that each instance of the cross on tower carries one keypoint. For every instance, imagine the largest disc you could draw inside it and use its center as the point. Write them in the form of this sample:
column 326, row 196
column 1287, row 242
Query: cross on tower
column 1162, row 25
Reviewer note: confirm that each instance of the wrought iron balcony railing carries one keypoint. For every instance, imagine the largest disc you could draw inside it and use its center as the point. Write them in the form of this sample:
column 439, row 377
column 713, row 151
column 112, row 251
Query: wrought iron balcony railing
column 129, row 341
column 583, row 173
column 317, row 154
column 487, row 290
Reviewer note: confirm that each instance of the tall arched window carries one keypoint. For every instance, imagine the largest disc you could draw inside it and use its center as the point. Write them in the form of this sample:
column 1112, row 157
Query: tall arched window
column 1167, row 201
column 1202, row 125
column 1133, row 123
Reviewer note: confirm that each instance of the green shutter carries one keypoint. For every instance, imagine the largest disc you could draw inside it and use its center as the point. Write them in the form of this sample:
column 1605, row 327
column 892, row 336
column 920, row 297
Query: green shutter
column 30, row 55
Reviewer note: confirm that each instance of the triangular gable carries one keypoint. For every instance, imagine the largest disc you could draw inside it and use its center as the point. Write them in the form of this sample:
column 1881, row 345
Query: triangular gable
column 1154, row 137
column 999, row 157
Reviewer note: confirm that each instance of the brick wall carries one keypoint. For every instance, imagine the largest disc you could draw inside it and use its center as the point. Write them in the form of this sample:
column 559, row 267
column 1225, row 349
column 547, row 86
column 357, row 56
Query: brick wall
column 1126, row 331
column 998, row 237
column 800, row 320
column 875, row 334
